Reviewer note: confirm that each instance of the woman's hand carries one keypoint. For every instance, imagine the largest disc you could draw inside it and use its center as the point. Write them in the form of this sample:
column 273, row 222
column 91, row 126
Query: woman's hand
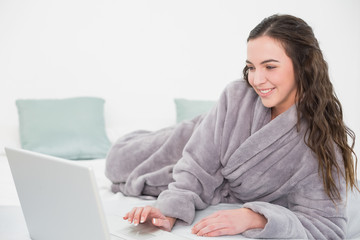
column 150, row 214
column 229, row 222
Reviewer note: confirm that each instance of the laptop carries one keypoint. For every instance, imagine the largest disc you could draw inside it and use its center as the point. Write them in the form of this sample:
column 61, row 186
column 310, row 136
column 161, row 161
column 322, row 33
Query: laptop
column 60, row 200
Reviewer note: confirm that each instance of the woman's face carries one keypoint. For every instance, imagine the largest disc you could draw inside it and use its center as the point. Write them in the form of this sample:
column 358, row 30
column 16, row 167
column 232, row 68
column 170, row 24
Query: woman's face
column 271, row 74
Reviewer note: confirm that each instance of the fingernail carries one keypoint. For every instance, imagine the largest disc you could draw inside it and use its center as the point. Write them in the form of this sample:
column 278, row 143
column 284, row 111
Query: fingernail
column 154, row 221
column 135, row 224
column 142, row 220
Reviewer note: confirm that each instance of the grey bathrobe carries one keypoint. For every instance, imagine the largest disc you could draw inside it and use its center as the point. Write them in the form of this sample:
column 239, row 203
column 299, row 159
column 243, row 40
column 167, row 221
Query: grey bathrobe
column 234, row 154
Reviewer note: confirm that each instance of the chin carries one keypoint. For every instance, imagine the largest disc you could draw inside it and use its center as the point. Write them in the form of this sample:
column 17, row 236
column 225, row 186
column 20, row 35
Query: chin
column 267, row 104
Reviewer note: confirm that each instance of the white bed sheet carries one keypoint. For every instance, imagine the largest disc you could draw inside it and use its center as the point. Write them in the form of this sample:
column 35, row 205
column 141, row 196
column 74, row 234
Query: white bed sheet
column 12, row 224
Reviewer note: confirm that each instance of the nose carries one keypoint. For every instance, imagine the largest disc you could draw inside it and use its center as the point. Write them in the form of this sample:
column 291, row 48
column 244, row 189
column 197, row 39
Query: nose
column 258, row 77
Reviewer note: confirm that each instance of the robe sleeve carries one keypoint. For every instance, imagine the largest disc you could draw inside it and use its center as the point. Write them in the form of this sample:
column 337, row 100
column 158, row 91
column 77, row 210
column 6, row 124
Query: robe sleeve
column 198, row 177
column 310, row 214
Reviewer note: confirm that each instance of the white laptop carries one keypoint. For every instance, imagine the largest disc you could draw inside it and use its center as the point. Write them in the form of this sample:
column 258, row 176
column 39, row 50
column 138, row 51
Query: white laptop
column 60, row 201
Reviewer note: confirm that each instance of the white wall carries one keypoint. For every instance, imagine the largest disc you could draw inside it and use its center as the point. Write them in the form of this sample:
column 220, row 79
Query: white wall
column 140, row 54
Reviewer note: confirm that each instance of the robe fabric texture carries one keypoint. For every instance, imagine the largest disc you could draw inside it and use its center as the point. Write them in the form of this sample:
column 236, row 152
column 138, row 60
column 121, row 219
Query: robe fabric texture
column 233, row 154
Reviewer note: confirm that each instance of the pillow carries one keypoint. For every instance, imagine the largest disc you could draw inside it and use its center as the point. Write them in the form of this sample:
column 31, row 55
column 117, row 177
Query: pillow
column 72, row 128
column 188, row 109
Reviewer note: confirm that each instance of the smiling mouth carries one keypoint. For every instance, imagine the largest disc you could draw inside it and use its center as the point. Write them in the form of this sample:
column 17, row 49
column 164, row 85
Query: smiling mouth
column 265, row 92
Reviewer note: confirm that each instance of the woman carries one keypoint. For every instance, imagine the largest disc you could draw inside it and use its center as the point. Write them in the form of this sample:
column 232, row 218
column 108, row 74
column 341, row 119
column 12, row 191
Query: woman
column 275, row 142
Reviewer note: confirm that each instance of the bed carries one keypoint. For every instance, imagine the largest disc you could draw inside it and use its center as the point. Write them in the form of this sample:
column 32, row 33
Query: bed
column 12, row 223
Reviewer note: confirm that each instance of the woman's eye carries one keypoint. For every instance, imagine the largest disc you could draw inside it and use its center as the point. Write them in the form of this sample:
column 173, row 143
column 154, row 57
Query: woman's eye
column 270, row 67
column 251, row 68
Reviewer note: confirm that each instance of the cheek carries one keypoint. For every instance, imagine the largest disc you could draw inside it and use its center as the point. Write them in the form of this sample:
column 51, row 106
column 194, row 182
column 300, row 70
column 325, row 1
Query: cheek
column 290, row 74
column 291, row 83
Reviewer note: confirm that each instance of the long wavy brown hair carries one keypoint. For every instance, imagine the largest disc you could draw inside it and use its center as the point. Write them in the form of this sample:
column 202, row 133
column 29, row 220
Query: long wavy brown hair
column 316, row 100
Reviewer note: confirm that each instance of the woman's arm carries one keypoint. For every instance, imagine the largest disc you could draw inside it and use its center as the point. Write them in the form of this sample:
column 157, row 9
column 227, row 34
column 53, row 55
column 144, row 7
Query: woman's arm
column 198, row 177
column 310, row 213
column 229, row 222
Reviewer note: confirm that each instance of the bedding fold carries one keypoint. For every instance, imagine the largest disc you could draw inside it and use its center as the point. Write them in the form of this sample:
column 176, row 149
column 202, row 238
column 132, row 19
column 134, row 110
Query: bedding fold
column 141, row 162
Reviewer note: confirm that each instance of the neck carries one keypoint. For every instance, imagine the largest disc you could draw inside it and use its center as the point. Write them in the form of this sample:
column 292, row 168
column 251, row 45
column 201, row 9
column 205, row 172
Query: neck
column 274, row 114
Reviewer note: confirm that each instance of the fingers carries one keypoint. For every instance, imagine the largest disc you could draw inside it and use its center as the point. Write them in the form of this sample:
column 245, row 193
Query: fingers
column 137, row 215
column 204, row 221
column 225, row 222
column 210, row 228
column 142, row 214
column 145, row 214
column 165, row 224
column 159, row 222
column 130, row 215
column 208, row 232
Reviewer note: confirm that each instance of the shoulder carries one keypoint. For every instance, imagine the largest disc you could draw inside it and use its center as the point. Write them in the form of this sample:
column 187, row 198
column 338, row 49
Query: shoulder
column 239, row 91
column 239, row 85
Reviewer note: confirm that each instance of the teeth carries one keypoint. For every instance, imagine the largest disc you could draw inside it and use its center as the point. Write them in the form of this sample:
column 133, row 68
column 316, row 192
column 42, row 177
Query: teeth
column 265, row 91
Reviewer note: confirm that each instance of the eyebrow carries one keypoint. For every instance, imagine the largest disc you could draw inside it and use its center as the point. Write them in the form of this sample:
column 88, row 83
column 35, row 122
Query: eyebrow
column 263, row 62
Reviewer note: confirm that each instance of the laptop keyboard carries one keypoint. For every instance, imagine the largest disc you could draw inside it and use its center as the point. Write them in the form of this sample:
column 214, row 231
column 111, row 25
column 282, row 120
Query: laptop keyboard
column 135, row 233
column 113, row 237
column 122, row 230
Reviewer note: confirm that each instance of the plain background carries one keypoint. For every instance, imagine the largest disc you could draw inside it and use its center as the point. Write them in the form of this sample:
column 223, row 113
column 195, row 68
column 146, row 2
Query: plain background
column 139, row 55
